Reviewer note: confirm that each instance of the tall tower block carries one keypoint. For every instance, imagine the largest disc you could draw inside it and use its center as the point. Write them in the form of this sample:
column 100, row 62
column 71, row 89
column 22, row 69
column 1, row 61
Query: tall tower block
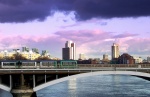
column 69, row 52
column 115, row 50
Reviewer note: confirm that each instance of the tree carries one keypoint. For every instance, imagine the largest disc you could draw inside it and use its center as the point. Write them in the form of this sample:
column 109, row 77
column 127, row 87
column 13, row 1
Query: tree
column 43, row 58
column 8, row 58
column 1, row 58
column 18, row 57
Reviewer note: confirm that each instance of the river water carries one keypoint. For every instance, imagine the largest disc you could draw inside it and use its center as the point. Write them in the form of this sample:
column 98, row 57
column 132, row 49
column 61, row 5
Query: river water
column 97, row 86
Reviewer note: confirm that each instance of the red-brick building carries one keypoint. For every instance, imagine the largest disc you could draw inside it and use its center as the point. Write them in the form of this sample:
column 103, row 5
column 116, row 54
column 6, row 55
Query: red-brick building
column 126, row 59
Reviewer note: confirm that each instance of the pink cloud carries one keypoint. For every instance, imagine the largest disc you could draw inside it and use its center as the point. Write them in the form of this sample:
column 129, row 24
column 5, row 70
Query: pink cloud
column 139, row 45
column 124, row 35
column 83, row 36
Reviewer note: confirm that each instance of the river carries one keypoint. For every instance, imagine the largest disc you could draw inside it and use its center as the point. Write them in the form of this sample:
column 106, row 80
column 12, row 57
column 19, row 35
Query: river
column 97, row 86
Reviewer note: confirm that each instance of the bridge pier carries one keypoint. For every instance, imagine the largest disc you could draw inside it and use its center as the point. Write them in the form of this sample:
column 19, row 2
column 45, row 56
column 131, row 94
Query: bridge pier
column 56, row 76
column 0, row 80
column 33, row 80
column 23, row 93
column 21, row 88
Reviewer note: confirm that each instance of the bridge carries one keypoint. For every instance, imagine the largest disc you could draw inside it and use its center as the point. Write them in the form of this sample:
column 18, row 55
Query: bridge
column 24, row 82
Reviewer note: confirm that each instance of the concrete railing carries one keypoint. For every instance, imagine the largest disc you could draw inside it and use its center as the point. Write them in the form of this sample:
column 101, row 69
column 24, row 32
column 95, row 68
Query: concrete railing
column 114, row 65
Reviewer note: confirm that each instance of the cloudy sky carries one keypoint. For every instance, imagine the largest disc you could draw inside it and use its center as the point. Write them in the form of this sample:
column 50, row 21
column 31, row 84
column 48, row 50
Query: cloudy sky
column 94, row 25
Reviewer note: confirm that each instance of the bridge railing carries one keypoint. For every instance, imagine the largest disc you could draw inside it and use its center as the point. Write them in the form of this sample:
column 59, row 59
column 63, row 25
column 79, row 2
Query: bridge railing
column 79, row 66
column 114, row 65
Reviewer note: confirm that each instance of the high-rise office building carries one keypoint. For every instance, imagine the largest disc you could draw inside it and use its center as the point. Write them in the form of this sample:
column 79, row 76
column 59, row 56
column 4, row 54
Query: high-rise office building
column 115, row 50
column 69, row 52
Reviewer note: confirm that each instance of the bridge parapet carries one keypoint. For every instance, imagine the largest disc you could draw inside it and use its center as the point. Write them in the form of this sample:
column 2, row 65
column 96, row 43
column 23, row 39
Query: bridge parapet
column 114, row 65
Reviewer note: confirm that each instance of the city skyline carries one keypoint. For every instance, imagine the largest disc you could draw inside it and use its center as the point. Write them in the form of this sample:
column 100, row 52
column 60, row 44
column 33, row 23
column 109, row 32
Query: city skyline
column 90, row 24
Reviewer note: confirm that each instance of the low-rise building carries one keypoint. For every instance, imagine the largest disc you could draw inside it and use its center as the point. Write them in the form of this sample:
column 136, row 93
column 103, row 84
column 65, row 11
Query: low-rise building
column 30, row 55
column 105, row 57
column 126, row 59
column 144, row 61
column 10, row 54
column 138, row 60
column 148, row 59
column 6, row 54
column 81, row 56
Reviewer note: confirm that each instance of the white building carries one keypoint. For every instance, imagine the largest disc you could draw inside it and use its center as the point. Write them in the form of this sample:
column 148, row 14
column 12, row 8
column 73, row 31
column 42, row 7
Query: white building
column 81, row 56
column 115, row 50
column 5, row 54
column 30, row 55
column 138, row 59
column 69, row 52
column 10, row 54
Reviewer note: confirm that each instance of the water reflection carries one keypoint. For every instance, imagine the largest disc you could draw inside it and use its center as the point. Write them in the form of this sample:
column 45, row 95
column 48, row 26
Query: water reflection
column 72, row 86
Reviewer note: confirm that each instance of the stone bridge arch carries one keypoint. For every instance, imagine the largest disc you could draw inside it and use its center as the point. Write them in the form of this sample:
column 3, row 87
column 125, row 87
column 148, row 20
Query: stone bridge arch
column 6, row 88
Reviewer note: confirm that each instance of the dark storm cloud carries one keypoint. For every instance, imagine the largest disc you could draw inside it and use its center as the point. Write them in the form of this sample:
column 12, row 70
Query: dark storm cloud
column 112, row 8
column 26, row 10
